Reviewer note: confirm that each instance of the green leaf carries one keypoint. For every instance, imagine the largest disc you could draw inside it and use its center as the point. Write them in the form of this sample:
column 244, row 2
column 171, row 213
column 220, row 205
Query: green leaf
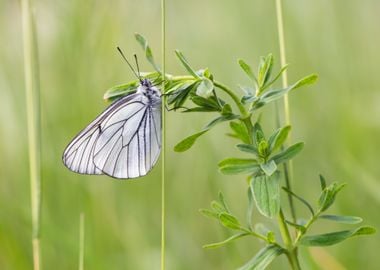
column 308, row 80
column 288, row 153
column 333, row 238
column 300, row 199
column 188, row 142
column 275, row 78
column 209, row 213
column 217, row 207
column 322, row 181
column 263, row 148
column 248, row 148
column 221, row 119
column 269, row 168
column 223, row 201
column 247, row 69
column 278, row 138
column 121, row 90
column 343, row 219
column 178, row 95
column 258, row 134
column 241, row 132
column 229, row 221
column 205, row 88
column 186, row 64
column 206, row 103
column 266, row 192
column 148, row 52
column 248, row 91
column 271, row 237
column 328, row 195
column 238, row 165
column 263, row 258
column 297, row 226
column 228, row 240
column 275, row 94
column 265, row 70
column 251, row 203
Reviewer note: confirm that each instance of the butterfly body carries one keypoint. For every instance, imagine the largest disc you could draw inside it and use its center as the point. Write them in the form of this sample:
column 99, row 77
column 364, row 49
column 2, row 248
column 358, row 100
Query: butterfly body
column 124, row 141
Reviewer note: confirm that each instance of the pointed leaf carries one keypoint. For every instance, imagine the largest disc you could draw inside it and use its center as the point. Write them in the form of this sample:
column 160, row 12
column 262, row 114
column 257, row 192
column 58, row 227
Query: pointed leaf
column 265, row 70
column 328, row 195
column 119, row 91
column 223, row 201
column 266, row 192
column 188, row 142
column 300, row 199
column 238, row 165
column 248, row 148
column 322, row 181
column 275, row 78
column 209, row 213
column 288, row 153
column 229, row 221
column 217, row 207
column 251, row 203
column 240, row 131
column 247, row 69
column 263, row 258
column 148, row 51
column 228, row 240
column 278, row 138
column 186, row 64
column 343, row 219
column 333, row 238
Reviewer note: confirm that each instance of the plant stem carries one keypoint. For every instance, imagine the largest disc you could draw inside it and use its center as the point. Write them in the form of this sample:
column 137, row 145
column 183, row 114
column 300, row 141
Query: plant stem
column 291, row 250
column 288, row 167
column 81, row 241
column 243, row 111
column 163, row 109
column 32, row 85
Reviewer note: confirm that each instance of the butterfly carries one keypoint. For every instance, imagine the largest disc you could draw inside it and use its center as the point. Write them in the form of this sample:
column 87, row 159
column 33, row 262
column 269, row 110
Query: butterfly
column 124, row 141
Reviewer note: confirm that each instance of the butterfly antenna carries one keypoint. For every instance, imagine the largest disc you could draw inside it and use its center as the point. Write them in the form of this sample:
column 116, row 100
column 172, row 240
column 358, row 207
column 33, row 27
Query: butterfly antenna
column 129, row 64
column 137, row 65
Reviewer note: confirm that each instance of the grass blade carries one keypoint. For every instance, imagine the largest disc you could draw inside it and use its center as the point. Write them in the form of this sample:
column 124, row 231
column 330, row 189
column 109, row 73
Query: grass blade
column 32, row 88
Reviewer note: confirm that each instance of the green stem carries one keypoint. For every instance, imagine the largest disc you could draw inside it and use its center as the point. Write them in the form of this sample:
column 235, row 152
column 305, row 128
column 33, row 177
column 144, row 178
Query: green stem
column 291, row 249
column 163, row 130
column 81, row 241
column 288, row 167
column 243, row 111
column 32, row 88
column 307, row 226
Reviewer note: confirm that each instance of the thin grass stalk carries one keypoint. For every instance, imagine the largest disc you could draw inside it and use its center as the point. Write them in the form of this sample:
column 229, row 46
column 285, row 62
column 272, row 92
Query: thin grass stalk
column 288, row 167
column 163, row 147
column 32, row 88
column 81, row 240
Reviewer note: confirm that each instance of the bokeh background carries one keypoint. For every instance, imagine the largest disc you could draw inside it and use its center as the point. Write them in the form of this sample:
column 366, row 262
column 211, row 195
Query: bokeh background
column 338, row 118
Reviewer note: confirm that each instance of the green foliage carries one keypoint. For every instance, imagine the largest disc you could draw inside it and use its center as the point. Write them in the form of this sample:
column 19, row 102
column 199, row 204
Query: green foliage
column 266, row 192
column 266, row 154
column 263, row 258
column 333, row 238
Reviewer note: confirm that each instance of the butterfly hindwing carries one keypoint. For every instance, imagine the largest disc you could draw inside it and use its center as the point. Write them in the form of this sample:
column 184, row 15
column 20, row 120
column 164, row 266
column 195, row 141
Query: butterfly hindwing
column 125, row 148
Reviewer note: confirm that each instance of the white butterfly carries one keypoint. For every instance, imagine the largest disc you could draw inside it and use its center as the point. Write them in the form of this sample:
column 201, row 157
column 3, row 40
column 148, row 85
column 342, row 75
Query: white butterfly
column 124, row 141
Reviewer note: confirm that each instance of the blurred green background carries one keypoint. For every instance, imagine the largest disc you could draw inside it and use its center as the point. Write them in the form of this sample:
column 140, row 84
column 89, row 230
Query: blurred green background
column 339, row 119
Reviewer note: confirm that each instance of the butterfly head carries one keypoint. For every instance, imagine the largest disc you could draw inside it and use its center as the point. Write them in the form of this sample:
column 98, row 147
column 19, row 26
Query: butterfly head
column 147, row 89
